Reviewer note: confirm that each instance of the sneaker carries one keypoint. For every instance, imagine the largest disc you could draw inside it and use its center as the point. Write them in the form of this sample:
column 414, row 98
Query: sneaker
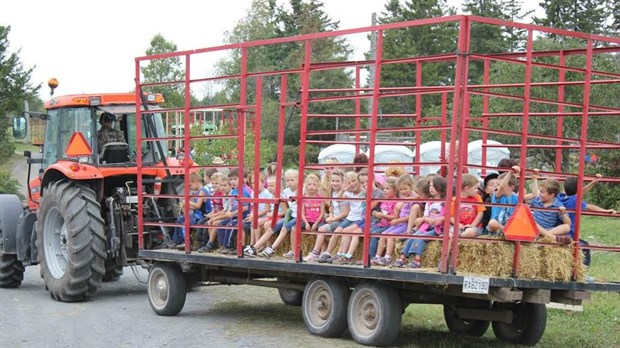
column 228, row 251
column 289, row 255
column 171, row 245
column 311, row 258
column 249, row 251
column 415, row 264
column 375, row 261
column 385, row 261
column 325, row 258
column 563, row 239
column 400, row 263
column 344, row 261
column 180, row 246
column 267, row 252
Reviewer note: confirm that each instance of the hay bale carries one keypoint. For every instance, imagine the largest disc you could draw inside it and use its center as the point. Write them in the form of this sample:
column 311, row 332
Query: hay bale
column 495, row 259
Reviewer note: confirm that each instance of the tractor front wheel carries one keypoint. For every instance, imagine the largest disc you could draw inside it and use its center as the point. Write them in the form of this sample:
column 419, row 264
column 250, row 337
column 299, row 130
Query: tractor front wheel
column 71, row 241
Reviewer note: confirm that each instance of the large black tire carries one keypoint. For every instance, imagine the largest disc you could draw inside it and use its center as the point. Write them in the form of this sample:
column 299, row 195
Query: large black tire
column 71, row 241
column 528, row 325
column 11, row 271
column 456, row 325
column 167, row 289
column 324, row 306
column 291, row 297
column 112, row 271
column 374, row 314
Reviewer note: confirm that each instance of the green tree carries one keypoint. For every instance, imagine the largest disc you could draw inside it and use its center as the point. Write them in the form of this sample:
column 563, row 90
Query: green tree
column 267, row 20
column 586, row 15
column 165, row 70
column 15, row 88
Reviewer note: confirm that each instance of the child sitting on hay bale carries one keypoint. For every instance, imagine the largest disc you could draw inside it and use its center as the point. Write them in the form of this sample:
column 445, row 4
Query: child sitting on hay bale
column 430, row 224
column 467, row 217
column 554, row 224
column 505, row 195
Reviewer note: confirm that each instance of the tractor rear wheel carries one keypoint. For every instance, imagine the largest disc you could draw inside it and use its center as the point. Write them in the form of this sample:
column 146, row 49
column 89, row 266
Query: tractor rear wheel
column 71, row 241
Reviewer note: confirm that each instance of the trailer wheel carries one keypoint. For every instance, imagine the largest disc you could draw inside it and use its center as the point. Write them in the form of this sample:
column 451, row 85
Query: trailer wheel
column 374, row 314
column 456, row 325
column 291, row 297
column 71, row 241
column 166, row 289
column 527, row 327
column 324, row 306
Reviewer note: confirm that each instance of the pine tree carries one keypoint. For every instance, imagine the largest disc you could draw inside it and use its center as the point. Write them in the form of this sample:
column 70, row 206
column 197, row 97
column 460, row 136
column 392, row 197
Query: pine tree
column 585, row 15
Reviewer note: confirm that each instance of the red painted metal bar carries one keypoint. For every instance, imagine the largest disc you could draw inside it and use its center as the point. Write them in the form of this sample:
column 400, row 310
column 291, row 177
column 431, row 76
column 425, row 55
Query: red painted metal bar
column 547, row 114
column 358, row 108
column 538, row 100
column 485, row 109
column 559, row 122
column 457, row 105
column 305, row 86
column 380, row 130
column 241, row 131
column 257, row 147
column 186, row 161
column 279, row 154
column 524, row 135
column 357, row 115
column 418, row 113
column 139, row 183
column 582, row 156
column 374, row 117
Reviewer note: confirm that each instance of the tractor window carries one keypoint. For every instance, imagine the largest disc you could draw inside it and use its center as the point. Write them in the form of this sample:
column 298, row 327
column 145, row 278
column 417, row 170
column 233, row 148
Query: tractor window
column 50, row 147
column 76, row 120
column 146, row 148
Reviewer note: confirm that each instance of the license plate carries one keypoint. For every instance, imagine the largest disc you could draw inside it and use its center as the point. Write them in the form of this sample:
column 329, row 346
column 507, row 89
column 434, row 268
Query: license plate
column 476, row 285
column 132, row 200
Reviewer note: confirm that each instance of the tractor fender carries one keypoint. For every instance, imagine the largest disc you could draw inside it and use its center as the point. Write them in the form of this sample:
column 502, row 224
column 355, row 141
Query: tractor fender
column 26, row 237
column 10, row 210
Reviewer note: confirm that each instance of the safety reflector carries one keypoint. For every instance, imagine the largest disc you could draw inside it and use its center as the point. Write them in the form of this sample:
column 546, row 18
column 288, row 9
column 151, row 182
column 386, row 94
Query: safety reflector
column 521, row 225
column 78, row 146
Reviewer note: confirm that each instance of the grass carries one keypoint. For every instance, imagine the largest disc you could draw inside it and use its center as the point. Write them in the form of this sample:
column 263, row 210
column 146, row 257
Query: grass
column 423, row 325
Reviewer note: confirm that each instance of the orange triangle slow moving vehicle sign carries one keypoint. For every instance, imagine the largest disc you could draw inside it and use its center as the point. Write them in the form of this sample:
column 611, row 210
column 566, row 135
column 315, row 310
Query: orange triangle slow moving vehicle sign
column 521, row 225
column 78, row 146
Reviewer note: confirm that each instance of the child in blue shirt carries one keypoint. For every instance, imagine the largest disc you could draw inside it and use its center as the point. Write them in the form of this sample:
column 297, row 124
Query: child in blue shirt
column 230, row 234
column 554, row 224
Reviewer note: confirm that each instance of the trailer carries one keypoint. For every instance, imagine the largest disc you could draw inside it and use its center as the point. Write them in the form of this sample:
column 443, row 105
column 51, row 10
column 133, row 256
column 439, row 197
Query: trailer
column 368, row 300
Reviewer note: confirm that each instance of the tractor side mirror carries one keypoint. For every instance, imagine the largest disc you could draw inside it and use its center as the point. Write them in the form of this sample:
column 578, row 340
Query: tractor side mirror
column 19, row 127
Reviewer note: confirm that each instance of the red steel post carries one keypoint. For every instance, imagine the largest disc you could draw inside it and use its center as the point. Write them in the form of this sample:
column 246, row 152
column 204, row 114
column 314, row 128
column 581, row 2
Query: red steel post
column 139, row 156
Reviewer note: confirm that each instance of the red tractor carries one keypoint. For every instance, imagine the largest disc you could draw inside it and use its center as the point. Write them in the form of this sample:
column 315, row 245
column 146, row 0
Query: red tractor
column 81, row 224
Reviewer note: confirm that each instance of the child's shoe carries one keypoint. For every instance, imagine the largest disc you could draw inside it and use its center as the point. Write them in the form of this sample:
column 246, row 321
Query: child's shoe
column 311, row 257
column 249, row 251
column 375, row 261
column 267, row 252
column 289, row 255
column 415, row 264
column 400, row 263
column 325, row 258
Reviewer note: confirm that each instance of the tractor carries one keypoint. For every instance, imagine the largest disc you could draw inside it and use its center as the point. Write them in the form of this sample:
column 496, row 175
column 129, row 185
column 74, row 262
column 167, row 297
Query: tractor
column 80, row 224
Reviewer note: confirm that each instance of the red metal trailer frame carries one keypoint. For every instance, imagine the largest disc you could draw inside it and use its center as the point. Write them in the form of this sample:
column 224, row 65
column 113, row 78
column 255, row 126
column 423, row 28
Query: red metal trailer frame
column 455, row 125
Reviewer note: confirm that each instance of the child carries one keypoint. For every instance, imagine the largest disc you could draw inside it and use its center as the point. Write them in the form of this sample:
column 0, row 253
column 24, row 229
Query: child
column 211, row 218
column 552, row 224
column 282, row 226
column 491, row 182
column 469, row 215
column 503, row 195
column 231, row 218
column 383, row 217
column 338, row 211
column 263, row 213
column 421, row 191
column 196, row 203
column 430, row 224
column 353, row 189
column 350, row 244
column 207, row 177
column 399, row 225
column 312, row 210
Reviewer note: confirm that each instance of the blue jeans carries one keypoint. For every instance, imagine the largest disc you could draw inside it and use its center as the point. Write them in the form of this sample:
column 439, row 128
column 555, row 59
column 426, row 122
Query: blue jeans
column 178, row 236
column 227, row 237
column 417, row 246
column 374, row 242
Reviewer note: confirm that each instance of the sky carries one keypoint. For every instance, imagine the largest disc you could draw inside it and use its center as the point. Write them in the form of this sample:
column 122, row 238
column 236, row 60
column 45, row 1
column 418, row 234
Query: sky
column 90, row 46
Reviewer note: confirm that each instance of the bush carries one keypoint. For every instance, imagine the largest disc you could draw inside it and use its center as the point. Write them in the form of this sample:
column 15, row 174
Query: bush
column 9, row 185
